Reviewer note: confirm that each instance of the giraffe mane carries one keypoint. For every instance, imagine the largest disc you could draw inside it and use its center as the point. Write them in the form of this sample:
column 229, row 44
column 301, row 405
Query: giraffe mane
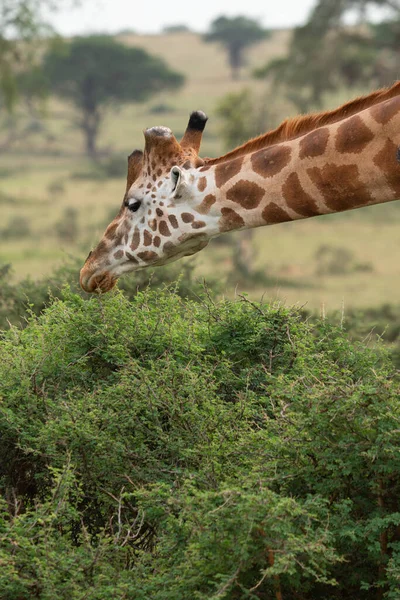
column 297, row 126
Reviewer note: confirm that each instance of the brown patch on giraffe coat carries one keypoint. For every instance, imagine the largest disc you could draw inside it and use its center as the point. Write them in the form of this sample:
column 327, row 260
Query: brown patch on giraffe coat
column 297, row 198
column 163, row 228
column 246, row 193
column 110, row 232
column 174, row 221
column 147, row 255
column 230, row 220
column 135, row 239
column 187, row 217
column 157, row 241
column 206, row 204
column 386, row 160
column 273, row 213
column 314, row 143
column 147, row 238
column 383, row 112
column 202, row 184
column 131, row 257
column 340, row 186
column 159, row 212
column 270, row 161
column 101, row 247
column 227, row 170
column 153, row 224
column 353, row 136
column 119, row 254
column 198, row 224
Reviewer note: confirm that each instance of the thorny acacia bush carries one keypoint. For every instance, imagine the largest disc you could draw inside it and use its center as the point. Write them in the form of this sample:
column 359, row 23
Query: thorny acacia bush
column 167, row 449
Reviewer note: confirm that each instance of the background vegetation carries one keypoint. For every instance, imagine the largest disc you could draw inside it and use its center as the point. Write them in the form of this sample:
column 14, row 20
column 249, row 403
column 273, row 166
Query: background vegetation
column 56, row 201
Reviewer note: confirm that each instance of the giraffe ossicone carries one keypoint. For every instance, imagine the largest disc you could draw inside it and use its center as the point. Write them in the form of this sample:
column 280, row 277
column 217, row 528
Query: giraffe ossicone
column 175, row 201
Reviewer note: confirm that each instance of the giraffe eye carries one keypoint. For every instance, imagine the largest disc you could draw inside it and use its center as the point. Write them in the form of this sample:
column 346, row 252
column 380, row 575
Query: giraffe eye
column 134, row 206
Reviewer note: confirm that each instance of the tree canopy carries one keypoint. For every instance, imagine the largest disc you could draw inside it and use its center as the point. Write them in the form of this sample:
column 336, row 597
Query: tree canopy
column 235, row 34
column 97, row 71
column 21, row 25
column 327, row 53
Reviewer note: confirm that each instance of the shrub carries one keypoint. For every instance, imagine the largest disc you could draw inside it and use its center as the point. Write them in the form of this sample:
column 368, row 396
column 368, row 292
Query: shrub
column 331, row 260
column 161, row 448
column 67, row 228
column 17, row 227
column 19, row 300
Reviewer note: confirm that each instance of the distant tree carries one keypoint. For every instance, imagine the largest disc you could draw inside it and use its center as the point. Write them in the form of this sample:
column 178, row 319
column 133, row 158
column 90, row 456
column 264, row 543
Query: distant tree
column 21, row 26
column 326, row 53
column 178, row 28
column 23, row 36
column 96, row 72
column 241, row 117
column 32, row 89
column 236, row 34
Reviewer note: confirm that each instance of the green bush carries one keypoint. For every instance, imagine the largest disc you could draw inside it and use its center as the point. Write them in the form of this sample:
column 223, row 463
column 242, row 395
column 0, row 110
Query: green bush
column 18, row 300
column 168, row 449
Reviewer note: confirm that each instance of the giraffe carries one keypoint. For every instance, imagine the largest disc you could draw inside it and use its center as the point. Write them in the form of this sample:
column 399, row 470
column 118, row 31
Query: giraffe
column 175, row 202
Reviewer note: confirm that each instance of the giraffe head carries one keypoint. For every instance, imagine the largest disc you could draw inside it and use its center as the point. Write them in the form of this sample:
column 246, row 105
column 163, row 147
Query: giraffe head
column 160, row 219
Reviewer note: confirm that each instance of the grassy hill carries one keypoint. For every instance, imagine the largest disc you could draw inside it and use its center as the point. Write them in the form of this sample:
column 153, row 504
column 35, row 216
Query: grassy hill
column 350, row 259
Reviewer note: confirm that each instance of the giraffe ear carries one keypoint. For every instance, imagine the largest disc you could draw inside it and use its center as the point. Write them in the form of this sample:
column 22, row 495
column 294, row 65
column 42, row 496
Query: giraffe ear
column 179, row 182
column 135, row 164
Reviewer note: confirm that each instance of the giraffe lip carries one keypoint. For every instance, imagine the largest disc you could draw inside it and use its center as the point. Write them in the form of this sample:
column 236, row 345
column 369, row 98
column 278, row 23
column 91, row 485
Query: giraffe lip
column 92, row 283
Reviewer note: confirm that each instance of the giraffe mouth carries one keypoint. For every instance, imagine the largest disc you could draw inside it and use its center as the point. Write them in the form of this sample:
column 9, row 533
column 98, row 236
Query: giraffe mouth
column 98, row 284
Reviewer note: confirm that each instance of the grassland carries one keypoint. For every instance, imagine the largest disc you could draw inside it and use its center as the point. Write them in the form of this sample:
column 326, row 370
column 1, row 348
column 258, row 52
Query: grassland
column 43, row 176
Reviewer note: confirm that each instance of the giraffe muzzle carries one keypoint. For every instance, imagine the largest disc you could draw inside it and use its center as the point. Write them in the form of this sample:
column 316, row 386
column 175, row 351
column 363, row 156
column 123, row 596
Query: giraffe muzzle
column 97, row 283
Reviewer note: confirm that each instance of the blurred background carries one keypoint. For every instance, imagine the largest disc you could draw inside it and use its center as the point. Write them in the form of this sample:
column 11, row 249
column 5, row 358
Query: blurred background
column 80, row 81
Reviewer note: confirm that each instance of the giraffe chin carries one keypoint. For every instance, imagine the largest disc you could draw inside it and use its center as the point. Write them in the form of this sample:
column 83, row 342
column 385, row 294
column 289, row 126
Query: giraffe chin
column 99, row 284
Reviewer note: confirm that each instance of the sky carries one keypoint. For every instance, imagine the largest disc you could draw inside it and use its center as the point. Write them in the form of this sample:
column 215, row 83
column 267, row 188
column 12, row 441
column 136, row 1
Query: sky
column 110, row 16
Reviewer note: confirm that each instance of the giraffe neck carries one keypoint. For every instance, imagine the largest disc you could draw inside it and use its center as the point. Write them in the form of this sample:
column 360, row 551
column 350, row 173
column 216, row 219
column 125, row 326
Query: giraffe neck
column 345, row 165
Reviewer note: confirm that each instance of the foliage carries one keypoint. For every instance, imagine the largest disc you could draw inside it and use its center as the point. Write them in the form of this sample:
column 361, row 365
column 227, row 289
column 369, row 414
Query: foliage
column 236, row 34
column 326, row 54
column 242, row 118
column 20, row 24
column 18, row 300
column 96, row 72
column 160, row 448
column 32, row 89
column 23, row 34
